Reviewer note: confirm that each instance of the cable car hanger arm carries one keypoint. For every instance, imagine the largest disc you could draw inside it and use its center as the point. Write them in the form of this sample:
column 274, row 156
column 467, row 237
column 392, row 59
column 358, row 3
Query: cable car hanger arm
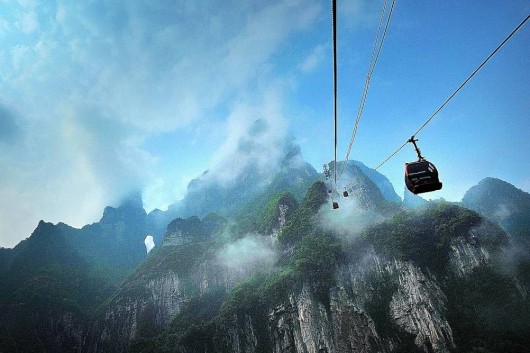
column 413, row 141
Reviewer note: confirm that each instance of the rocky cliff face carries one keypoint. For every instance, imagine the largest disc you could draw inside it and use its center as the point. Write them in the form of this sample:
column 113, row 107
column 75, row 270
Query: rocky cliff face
column 149, row 303
column 376, row 306
column 377, row 303
column 421, row 281
column 138, row 308
column 418, row 307
column 467, row 255
column 305, row 324
column 53, row 329
column 382, row 182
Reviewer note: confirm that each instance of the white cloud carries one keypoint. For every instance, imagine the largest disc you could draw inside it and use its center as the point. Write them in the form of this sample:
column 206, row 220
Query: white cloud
column 27, row 3
column 96, row 80
column 314, row 58
column 349, row 219
column 256, row 138
column 21, row 55
column 60, row 15
column 28, row 23
column 4, row 27
column 149, row 243
column 502, row 212
column 359, row 13
column 253, row 252
column 65, row 194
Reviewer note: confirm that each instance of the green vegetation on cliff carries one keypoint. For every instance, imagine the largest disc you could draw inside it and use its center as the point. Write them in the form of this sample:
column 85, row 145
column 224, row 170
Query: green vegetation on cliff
column 48, row 294
column 423, row 237
column 486, row 309
column 301, row 223
column 262, row 214
column 488, row 313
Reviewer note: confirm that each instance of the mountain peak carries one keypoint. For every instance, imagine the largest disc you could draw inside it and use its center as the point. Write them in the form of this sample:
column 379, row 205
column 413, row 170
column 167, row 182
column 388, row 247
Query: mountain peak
column 495, row 190
column 381, row 181
column 502, row 203
column 43, row 228
column 359, row 185
column 494, row 182
column 130, row 207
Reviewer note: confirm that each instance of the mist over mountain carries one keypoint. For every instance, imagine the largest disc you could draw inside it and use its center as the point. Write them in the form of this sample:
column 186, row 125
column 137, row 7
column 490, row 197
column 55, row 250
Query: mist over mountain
column 413, row 201
column 116, row 242
column 380, row 180
column 408, row 283
column 502, row 203
column 263, row 263
column 227, row 197
column 207, row 193
column 371, row 189
column 111, row 108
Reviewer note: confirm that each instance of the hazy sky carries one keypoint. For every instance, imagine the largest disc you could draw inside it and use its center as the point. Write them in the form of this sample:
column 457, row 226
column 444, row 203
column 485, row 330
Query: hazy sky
column 101, row 98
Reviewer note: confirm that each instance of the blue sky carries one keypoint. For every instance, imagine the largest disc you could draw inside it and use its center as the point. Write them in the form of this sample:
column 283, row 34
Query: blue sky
column 102, row 98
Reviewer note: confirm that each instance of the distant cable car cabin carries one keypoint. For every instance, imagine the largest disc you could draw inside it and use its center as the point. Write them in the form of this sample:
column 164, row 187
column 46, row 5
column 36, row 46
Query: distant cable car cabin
column 421, row 176
column 345, row 193
column 335, row 205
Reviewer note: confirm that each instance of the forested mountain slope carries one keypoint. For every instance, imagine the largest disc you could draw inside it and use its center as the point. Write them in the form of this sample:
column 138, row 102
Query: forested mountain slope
column 279, row 271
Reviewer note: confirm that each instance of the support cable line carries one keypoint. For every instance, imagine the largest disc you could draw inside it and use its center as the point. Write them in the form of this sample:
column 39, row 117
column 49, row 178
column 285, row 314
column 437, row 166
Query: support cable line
column 378, row 45
column 455, row 92
column 334, row 35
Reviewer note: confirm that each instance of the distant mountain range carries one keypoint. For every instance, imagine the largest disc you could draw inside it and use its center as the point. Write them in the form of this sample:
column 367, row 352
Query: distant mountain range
column 267, row 266
column 502, row 203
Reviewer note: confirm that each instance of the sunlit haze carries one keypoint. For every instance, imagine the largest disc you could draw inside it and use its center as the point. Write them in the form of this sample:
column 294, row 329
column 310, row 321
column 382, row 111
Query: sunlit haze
column 102, row 99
